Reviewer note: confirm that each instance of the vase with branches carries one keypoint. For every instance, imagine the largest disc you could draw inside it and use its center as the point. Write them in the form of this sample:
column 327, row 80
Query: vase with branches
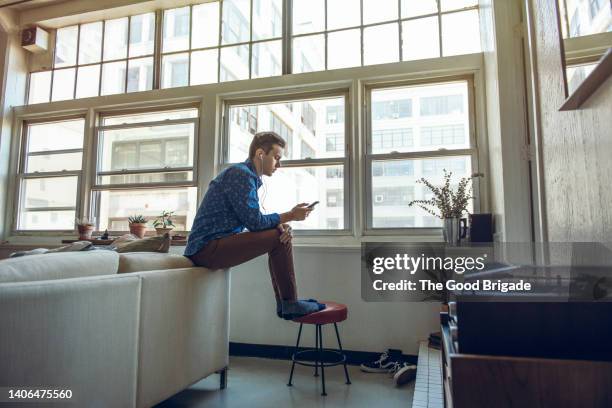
column 449, row 204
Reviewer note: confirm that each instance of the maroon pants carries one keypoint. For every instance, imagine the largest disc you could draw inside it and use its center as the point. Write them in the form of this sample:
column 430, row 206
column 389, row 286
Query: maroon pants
column 239, row 248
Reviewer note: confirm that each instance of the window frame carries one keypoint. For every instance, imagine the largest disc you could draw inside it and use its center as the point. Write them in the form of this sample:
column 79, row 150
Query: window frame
column 369, row 158
column 346, row 161
column 21, row 175
column 94, row 172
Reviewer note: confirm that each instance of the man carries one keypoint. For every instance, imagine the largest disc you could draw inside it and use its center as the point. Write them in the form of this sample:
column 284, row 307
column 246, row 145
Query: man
column 230, row 205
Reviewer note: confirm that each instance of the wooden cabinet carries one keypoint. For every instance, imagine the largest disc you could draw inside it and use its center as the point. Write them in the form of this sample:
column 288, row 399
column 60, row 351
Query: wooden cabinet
column 475, row 381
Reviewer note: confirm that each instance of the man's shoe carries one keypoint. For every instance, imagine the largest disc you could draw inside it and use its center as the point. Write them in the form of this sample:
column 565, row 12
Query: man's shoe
column 385, row 364
column 404, row 373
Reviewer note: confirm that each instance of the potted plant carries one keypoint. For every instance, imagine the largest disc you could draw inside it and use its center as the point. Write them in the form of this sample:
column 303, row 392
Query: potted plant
column 163, row 224
column 450, row 205
column 85, row 226
column 138, row 225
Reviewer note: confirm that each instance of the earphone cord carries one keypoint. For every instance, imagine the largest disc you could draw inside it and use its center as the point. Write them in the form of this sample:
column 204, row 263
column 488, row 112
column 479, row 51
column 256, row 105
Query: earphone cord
column 265, row 190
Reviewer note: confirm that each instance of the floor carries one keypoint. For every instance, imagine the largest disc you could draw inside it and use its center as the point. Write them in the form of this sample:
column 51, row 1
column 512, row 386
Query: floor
column 256, row 382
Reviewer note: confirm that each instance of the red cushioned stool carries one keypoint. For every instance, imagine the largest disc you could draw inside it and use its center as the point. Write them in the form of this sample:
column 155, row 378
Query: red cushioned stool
column 333, row 313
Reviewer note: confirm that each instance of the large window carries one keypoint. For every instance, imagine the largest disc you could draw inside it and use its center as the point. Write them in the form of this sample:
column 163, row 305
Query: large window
column 229, row 40
column 404, row 147
column 311, row 170
column 49, row 175
column 221, row 41
column 329, row 34
column 100, row 58
column 145, row 164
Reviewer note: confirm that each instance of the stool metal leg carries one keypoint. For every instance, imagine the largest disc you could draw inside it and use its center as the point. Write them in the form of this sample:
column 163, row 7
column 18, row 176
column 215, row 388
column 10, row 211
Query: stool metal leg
column 316, row 374
column 297, row 346
column 321, row 358
column 348, row 381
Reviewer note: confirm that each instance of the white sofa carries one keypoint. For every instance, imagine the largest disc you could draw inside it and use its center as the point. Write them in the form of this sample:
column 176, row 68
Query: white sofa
column 119, row 330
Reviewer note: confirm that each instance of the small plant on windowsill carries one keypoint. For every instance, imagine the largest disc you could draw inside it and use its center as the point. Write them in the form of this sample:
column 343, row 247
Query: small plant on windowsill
column 85, row 226
column 163, row 224
column 138, row 225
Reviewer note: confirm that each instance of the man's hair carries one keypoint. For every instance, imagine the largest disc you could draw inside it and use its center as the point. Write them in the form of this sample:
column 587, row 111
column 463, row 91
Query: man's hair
column 265, row 140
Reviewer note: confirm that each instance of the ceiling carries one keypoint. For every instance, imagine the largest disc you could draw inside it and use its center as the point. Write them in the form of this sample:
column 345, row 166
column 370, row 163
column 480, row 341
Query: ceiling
column 27, row 4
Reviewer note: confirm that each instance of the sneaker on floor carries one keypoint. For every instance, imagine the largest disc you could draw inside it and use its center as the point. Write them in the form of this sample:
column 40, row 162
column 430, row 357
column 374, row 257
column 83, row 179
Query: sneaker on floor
column 385, row 364
column 404, row 373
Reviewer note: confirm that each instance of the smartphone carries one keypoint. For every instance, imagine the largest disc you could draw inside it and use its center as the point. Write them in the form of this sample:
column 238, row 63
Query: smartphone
column 311, row 206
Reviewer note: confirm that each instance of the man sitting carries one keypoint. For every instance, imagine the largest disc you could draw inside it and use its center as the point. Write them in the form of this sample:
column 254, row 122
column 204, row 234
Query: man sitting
column 230, row 205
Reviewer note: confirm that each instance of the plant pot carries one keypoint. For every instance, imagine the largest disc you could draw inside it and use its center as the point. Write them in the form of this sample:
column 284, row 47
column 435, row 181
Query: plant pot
column 162, row 231
column 85, row 231
column 138, row 229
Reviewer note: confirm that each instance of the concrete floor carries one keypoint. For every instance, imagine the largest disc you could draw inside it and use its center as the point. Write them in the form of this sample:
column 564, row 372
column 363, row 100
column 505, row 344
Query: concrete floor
column 256, row 382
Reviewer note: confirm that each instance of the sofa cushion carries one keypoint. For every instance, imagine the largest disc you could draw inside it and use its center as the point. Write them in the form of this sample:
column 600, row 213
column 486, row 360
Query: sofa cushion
column 61, row 265
column 138, row 261
column 131, row 243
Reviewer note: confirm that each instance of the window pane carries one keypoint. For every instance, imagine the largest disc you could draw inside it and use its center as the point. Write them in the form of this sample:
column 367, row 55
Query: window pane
column 150, row 116
column 375, row 11
column 88, row 81
column 205, row 29
column 175, row 70
column 234, row 63
column 293, row 185
column 47, row 220
column 116, row 206
column 204, row 66
column 140, row 74
column 142, row 34
column 236, row 25
column 576, row 74
column 267, row 19
column 420, row 39
column 441, row 120
column 54, row 162
column 266, row 59
column 63, row 84
column 411, row 8
column 66, row 46
column 460, row 33
column 344, row 49
column 308, row 16
column 456, row 4
column 55, row 135
column 49, row 192
column 303, row 124
column 176, row 29
column 309, row 53
column 343, row 13
column 90, row 43
column 146, row 147
column 115, row 38
column 586, row 17
column 394, row 186
column 113, row 78
column 373, row 37
column 40, row 87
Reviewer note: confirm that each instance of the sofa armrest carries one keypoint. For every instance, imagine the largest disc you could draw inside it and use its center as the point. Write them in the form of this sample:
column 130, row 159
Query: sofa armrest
column 184, row 330
column 79, row 334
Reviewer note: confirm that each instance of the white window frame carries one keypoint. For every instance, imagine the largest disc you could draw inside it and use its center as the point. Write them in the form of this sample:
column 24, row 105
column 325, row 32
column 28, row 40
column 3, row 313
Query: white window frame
column 95, row 171
column 345, row 161
column 22, row 175
column 369, row 157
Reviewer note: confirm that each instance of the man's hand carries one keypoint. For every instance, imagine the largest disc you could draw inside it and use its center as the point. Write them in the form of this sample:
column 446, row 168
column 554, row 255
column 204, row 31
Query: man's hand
column 285, row 231
column 300, row 212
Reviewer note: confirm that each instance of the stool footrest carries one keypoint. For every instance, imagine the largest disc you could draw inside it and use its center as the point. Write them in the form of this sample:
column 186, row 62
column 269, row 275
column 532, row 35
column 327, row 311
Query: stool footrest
column 341, row 358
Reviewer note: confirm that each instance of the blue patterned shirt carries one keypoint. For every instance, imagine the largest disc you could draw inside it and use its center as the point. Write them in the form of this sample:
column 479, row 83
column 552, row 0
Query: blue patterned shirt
column 230, row 205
